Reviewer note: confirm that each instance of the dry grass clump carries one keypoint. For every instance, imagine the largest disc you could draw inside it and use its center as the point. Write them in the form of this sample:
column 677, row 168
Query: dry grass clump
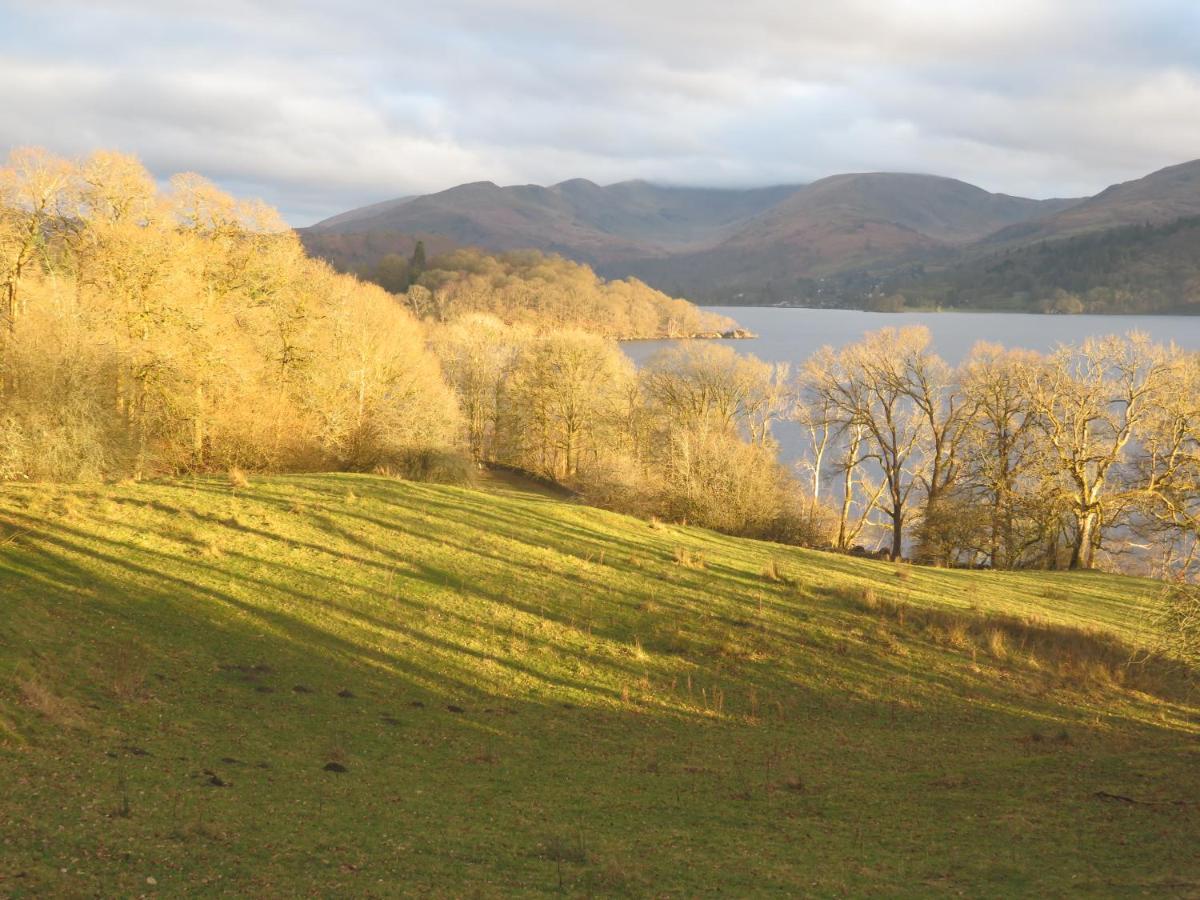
column 997, row 644
column 47, row 703
column 772, row 571
column 122, row 669
column 689, row 559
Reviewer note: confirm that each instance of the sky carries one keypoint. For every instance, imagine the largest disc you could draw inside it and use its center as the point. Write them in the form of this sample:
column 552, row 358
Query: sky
column 322, row 107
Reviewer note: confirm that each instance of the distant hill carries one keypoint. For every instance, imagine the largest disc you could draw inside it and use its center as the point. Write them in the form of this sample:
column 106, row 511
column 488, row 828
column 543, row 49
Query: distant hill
column 846, row 223
column 1160, row 197
column 1131, row 269
column 840, row 241
column 577, row 218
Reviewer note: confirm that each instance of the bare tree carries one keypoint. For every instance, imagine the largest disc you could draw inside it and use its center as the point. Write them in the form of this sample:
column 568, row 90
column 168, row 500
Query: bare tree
column 868, row 387
column 1090, row 403
column 1000, row 445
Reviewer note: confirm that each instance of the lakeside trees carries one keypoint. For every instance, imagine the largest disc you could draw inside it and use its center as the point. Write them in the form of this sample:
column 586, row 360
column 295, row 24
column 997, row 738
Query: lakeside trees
column 1014, row 459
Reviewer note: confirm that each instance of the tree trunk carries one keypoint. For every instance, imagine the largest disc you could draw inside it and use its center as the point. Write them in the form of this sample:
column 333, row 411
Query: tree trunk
column 1085, row 533
column 198, row 431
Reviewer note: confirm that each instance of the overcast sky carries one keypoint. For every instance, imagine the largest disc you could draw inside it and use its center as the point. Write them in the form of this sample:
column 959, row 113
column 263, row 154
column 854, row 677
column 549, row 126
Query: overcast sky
column 320, row 107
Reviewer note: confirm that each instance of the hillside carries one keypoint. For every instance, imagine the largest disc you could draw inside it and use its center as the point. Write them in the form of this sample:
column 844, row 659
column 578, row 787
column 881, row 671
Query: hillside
column 692, row 241
column 1158, row 198
column 354, row 685
column 577, row 218
column 846, row 223
column 1129, row 269
column 835, row 241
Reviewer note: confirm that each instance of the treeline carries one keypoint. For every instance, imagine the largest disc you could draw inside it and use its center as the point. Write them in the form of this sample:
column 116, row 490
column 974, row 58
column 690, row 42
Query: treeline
column 147, row 332
column 527, row 287
column 1013, row 459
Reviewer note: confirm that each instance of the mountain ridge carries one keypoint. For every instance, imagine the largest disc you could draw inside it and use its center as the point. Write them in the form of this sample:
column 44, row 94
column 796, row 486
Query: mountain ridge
column 781, row 243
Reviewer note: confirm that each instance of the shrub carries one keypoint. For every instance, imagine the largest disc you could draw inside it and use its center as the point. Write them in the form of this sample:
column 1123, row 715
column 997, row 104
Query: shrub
column 431, row 464
column 1175, row 622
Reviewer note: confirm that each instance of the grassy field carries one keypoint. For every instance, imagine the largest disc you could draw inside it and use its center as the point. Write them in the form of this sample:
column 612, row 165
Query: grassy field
column 349, row 685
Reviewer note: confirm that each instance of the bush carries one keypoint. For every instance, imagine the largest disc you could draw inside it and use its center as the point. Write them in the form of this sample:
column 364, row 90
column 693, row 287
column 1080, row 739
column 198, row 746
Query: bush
column 434, row 465
column 1176, row 624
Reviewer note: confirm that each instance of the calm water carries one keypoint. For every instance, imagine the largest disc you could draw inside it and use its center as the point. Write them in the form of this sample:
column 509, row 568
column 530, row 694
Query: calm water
column 792, row 335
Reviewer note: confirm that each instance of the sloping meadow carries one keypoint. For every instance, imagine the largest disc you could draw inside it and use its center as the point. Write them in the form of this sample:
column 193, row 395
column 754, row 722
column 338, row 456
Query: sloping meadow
column 356, row 684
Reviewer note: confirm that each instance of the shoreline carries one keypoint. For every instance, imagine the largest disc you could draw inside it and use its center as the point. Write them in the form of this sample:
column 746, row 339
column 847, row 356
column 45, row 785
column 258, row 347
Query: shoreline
column 933, row 310
column 733, row 334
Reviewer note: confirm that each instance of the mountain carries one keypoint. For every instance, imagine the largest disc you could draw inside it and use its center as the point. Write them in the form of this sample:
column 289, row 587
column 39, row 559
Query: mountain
column 839, row 241
column 1128, row 269
column 1160, row 197
column 576, row 218
column 840, row 224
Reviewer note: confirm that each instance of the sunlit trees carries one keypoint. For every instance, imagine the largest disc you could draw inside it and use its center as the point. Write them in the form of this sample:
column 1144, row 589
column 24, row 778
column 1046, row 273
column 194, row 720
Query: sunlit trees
column 713, row 388
column 1166, row 472
column 549, row 292
column 1000, row 453
column 1090, row 402
column 865, row 386
column 36, row 193
column 711, row 443
column 561, row 402
column 478, row 353
column 151, row 332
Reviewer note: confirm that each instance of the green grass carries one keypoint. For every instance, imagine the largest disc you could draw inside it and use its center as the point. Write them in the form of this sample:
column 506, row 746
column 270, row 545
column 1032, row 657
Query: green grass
column 535, row 697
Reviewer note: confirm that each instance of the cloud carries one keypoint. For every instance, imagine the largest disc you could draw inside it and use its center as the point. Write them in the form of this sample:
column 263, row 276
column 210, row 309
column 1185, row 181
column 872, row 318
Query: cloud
column 318, row 107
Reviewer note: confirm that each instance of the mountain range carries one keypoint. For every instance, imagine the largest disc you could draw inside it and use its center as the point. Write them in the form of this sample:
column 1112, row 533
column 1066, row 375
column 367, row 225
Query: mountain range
column 845, row 240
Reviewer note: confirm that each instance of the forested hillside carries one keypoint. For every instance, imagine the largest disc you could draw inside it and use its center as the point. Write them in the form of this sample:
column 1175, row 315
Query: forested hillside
column 1132, row 269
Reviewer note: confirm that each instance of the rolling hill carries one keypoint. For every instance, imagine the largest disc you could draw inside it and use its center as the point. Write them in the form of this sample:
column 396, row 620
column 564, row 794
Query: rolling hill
column 576, row 218
column 836, row 241
column 342, row 684
column 1157, row 199
column 1125, row 269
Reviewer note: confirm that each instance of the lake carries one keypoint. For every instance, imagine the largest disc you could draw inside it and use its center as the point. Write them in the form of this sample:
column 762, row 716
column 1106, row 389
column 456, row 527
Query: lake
column 792, row 335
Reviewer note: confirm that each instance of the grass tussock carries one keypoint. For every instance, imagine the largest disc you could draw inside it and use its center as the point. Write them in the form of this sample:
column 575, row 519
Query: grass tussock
column 46, row 702
column 689, row 559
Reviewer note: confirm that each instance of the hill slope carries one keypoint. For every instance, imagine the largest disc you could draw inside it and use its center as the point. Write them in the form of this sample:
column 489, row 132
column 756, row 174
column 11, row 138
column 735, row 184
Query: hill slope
column 835, row 241
column 529, row 696
column 1130, row 269
column 692, row 239
column 577, row 218
column 846, row 223
column 1158, row 198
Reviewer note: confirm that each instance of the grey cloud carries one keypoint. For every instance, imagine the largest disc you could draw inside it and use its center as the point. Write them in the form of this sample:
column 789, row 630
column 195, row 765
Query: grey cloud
column 318, row 107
